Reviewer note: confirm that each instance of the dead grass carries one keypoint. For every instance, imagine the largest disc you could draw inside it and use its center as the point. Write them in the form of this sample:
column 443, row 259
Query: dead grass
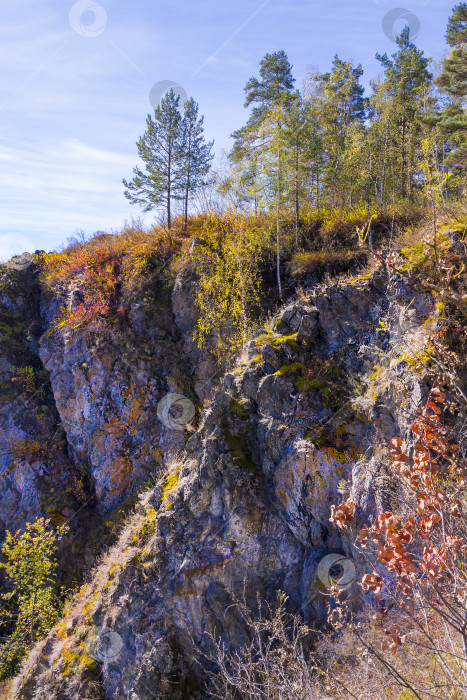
column 319, row 263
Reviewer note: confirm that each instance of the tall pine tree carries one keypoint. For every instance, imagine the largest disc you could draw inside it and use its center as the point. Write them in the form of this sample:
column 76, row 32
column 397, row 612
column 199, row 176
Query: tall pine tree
column 160, row 149
column 262, row 136
column 273, row 88
column 195, row 154
column 453, row 81
column 406, row 80
column 342, row 105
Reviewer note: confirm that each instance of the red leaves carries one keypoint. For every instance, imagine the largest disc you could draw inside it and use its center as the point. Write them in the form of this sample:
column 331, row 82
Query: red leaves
column 396, row 444
column 342, row 515
column 433, row 407
column 394, row 638
column 456, row 507
column 433, row 563
column 362, row 537
column 373, row 583
column 427, row 523
column 398, row 545
column 384, row 522
column 422, row 500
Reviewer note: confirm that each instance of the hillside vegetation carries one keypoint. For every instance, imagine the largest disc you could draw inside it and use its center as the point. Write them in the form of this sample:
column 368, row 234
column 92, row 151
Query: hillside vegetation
column 302, row 533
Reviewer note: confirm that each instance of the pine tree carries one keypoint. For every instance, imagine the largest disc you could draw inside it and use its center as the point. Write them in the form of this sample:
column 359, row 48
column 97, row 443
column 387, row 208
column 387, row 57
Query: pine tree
column 407, row 80
column 275, row 87
column 195, row 153
column 453, row 81
column 272, row 94
column 160, row 149
column 313, row 97
column 342, row 105
column 301, row 146
column 382, row 144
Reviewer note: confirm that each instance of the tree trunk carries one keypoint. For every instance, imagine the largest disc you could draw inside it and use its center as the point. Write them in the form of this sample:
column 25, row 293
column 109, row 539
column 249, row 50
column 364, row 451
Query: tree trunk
column 279, row 286
column 403, row 159
column 187, row 190
column 297, row 204
column 278, row 208
column 169, row 183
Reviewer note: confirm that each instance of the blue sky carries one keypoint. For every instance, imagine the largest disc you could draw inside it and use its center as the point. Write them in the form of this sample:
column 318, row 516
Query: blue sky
column 76, row 78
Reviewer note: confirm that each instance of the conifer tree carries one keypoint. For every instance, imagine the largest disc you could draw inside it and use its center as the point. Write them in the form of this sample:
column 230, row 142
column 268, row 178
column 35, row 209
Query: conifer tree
column 160, row 149
column 301, row 145
column 195, row 153
column 453, row 81
column 273, row 88
column 406, row 79
column 271, row 95
column 342, row 104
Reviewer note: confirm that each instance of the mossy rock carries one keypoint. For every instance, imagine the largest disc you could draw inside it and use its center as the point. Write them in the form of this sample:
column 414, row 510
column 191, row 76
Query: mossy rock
column 237, row 408
column 304, row 384
column 290, row 340
column 90, row 666
column 281, row 327
column 287, row 370
column 239, row 449
column 263, row 338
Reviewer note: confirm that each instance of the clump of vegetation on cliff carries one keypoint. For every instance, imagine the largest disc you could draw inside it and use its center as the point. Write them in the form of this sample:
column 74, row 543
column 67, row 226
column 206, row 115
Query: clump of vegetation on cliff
column 31, row 606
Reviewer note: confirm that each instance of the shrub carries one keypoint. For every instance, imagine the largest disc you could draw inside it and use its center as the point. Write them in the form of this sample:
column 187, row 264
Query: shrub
column 30, row 570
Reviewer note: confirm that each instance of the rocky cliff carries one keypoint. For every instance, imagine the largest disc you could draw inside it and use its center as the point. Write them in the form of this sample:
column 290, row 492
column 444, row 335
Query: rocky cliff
column 242, row 504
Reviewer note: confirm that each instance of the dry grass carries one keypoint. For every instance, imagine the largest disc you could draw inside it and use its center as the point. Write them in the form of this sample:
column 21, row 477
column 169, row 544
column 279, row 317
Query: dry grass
column 317, row 264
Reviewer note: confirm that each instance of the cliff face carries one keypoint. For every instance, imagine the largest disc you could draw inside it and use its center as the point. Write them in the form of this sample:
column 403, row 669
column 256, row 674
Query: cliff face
column 80, row 430
column 36, row 473
column 244, row 508
column 107, row 387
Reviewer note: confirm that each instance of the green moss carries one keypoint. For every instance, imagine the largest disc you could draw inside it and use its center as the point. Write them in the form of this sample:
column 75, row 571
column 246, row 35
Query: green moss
column 286, row 370
column 291, row 341
column 149, row 526
column 136, row 559
column 359, row 278
column 328, row 378
column 317, row 435
column 89, row 665
column 417, row 255
column 280, row 326
column 329, row 397
column 170, row 484
column 237, row 408
column 263, row 338
column 239, row 449
column 292, row 344
column 275, row 342
column 304, row 384
column 376, row 373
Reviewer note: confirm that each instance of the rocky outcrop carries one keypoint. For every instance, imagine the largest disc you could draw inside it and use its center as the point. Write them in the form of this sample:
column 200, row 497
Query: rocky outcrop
column 245, row 509
column 107, row 386
column 36, row 475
